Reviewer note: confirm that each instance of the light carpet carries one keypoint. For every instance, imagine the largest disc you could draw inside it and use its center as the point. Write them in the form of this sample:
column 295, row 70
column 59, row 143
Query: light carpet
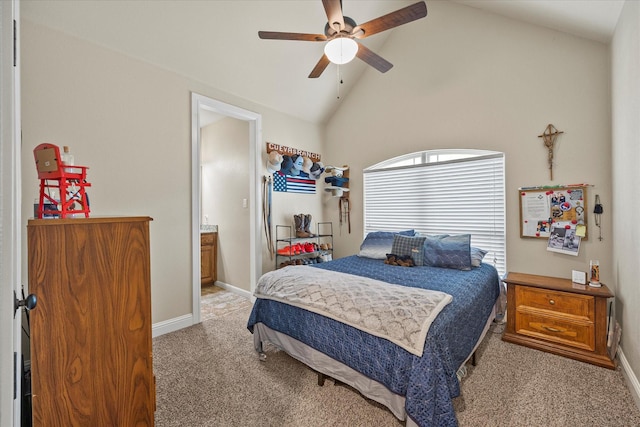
column 210, row 375
column 221, row 303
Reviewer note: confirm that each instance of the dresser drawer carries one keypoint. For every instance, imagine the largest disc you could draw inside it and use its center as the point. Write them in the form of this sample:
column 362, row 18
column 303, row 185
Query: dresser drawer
column 564, row 303
column 580, row 335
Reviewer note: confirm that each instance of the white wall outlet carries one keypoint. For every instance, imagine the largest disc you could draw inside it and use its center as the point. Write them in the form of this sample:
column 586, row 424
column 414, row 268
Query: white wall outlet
column 579, row 277
column 244, row 203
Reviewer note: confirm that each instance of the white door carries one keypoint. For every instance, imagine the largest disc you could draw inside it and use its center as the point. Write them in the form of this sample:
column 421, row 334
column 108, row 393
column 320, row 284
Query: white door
column 10, row 215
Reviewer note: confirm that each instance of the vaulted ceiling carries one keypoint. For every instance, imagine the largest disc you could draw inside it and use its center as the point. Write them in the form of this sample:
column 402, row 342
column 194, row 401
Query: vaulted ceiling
column 216, row 42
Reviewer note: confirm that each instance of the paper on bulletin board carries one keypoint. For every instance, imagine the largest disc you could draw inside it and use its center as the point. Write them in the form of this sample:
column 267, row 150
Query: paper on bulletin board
column 543, row 208
column 564, row 240
column 536, row 207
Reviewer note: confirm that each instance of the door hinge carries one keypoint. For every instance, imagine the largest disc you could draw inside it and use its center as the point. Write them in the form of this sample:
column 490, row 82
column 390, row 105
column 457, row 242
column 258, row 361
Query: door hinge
column 15, row 375
column 15, row 43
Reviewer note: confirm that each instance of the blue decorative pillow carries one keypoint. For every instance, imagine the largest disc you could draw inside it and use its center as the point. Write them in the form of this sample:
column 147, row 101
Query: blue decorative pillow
column 378, row 244
column 448, row 251
column 412, row 246
column 477, row 255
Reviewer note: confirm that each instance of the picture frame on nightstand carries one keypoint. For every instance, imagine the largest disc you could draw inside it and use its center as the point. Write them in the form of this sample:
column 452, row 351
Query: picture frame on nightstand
column 613, row 329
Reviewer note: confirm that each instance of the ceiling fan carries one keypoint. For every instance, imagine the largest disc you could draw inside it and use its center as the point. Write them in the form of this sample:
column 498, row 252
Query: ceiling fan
column 341, row 33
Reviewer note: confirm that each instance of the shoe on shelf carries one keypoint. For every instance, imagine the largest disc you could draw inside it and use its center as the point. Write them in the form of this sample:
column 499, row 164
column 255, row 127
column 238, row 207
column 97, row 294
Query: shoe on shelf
column 284, row 264
column 299, row 222
column 285, row 251
column 306, row 221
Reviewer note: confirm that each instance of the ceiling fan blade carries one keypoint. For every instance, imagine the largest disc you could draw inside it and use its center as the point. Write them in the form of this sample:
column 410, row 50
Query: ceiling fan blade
column 391, row 20
column 320, row 67
column 333, row 9
column 373, row 59
column 275, row 35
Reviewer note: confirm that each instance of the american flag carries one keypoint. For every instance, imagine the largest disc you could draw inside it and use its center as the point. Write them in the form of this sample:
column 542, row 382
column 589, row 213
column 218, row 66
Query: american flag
column 293, row 184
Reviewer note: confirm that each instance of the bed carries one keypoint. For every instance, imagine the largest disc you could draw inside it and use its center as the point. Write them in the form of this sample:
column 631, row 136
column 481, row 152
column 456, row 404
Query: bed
column 416, row 386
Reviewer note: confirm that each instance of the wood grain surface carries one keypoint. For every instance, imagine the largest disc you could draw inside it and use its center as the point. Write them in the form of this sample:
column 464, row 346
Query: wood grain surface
column 91, row 330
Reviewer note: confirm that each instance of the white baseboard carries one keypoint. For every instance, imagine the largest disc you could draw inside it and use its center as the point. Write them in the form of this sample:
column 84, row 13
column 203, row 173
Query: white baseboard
column 630, row 377
column 171, row 325
column 186, row 320
column 234, row 289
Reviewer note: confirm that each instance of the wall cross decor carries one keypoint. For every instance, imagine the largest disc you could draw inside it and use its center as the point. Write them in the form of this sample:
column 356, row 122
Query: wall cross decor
column 549, row 138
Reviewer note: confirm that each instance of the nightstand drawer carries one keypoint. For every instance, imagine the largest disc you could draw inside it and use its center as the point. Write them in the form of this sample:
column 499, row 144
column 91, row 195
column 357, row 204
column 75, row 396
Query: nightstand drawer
column 580, row 335
column 563, row 303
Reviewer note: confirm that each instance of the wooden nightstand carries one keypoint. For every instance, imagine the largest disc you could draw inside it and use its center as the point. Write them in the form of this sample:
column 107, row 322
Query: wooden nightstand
column 558, row 316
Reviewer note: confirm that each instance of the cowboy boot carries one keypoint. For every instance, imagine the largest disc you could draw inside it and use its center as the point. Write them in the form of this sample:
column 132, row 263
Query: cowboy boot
column 299, row 223
column 307, row 224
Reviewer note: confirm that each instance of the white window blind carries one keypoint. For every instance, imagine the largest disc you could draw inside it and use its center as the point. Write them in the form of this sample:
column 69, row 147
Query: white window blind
column 464, row 196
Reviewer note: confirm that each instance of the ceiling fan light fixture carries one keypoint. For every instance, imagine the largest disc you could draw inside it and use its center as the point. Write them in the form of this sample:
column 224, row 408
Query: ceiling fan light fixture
column 341, row 50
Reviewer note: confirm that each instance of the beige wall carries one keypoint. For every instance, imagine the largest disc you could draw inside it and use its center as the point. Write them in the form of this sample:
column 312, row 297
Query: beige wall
column 130, row 122
column 225, row 183
column 477, row 80
column 625, row 54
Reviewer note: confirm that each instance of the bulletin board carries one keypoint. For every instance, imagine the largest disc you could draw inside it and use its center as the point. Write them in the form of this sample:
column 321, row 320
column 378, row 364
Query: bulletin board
column 543, row 209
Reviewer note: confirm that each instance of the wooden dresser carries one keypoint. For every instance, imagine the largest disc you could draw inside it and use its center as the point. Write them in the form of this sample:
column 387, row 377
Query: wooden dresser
column 91, row 349
column 208, row 258
column 558, row 316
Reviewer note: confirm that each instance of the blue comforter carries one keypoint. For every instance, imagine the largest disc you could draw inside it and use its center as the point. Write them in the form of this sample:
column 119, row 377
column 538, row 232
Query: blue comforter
column 429, row 383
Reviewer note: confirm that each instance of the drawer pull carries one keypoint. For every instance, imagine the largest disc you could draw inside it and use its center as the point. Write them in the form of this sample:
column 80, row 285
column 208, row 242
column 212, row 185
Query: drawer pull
column 552, row 302
column 550, row 329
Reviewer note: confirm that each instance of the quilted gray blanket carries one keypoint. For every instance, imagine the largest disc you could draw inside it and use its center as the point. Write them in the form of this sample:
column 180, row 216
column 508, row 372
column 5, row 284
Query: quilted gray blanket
column 397, row 313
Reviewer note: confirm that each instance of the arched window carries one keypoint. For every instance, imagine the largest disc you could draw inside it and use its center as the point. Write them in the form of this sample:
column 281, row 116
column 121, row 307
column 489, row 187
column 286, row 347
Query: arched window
column 441, row 192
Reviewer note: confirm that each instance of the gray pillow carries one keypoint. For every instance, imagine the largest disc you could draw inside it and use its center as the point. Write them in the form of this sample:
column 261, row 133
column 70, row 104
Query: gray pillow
column 378, row 244
column 409, row 245
column 477, row 255
column 448, row 251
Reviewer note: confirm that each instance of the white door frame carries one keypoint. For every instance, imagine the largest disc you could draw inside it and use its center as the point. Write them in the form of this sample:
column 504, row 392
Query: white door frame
column 199, row 102
column 10, row 216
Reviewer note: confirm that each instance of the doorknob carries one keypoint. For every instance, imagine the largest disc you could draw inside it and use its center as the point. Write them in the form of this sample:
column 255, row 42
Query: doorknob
column 29, row 303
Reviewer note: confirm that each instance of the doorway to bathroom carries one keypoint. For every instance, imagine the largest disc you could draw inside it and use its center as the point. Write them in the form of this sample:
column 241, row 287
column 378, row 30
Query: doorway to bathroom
column 225, row 183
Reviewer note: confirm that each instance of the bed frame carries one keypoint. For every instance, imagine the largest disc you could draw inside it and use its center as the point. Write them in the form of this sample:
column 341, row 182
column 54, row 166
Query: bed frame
column 327, row 367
